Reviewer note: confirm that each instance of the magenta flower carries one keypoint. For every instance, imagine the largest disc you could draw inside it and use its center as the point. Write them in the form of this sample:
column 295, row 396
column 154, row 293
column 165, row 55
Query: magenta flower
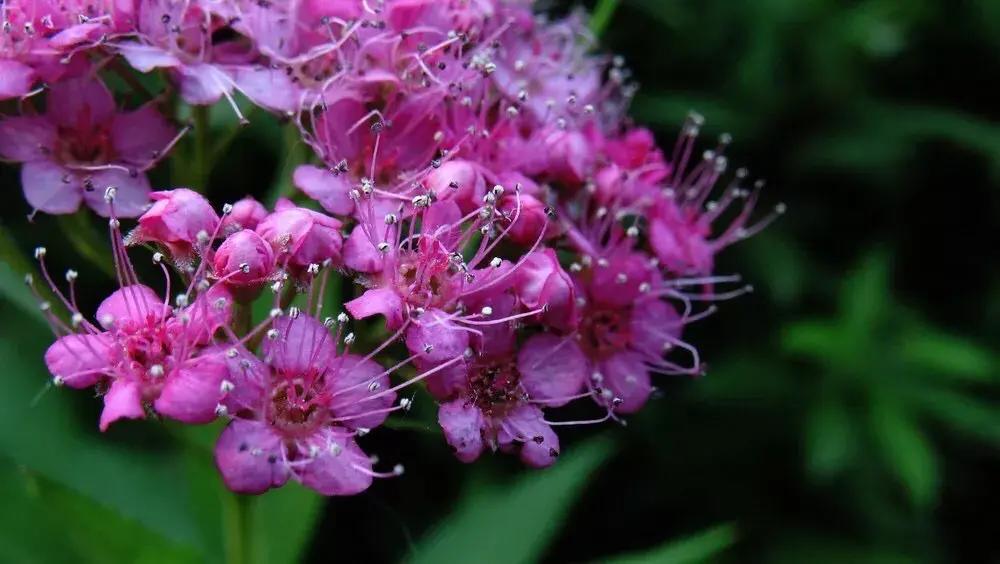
column 82, row 145
column 244, row 262
column 495, row 398
column 147, row 355
column 297, row 413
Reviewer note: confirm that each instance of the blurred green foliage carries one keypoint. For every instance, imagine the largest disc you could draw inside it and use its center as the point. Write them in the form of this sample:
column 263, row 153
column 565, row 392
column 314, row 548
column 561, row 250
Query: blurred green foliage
column 852, row 411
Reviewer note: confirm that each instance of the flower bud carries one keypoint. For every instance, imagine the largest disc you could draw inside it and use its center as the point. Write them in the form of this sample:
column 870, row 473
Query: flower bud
column 246, row 214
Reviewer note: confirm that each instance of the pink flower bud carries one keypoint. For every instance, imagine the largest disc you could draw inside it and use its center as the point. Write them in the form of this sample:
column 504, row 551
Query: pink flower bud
column 530, row 219
column 176, row 219
column 459, row 181
column 302, row 236
column 246, row 214
column 541, row 281
column 245, row 260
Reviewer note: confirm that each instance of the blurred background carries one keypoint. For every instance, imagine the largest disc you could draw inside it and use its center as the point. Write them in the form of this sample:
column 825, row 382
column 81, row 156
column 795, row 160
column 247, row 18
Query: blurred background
column 851, row 412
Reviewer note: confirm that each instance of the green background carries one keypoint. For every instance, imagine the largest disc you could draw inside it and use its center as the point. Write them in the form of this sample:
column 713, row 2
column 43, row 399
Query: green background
column 851, row 412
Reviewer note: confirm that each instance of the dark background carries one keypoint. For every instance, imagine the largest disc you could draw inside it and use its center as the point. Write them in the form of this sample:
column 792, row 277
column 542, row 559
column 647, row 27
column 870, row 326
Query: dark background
column 851, row 411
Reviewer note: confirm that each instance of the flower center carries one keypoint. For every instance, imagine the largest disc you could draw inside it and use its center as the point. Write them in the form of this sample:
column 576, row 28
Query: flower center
column 495, row 386
column 90, row 144
column 604, row 332
column 296, row 409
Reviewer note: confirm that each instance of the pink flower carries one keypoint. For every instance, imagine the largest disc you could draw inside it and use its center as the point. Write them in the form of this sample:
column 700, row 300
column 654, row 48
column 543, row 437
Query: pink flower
column 149, row 356
column 496, row 400
column 81, row 146
column 684, row 233
column 297, row 413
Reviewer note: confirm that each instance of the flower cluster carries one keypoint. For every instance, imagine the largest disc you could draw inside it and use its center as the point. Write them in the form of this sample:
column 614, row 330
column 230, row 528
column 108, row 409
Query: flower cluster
column 516, row 245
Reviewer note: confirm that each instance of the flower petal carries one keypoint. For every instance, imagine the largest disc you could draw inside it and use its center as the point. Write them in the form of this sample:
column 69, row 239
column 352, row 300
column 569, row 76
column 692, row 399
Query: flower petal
column 123, row 400
column 16, row 79
column 131, row 303
column 79, row 361
column 80, row 103
column 330, row 190
column 539, row 443
column 376, row 301
column 140, row 136
column 349, row 380
column 145, row 58
column 435, row 338
column 132, row 197
column 302, row 344
column 339, row 467
column 462, row 423
column 50, row 188
column 26, row 138
column 192, row 391
column 360, row 254
column 552, row 368
column 248, row 455
column 627, row 377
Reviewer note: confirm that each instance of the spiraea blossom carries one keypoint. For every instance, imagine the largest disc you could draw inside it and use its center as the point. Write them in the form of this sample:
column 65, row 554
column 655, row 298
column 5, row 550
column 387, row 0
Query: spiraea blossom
column 82, row 144
column 504, row 237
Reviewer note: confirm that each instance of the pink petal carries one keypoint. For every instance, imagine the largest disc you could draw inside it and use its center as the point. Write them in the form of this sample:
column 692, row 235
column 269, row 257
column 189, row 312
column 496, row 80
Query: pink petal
column 462, row 424
column 360, row 254
column 339, row 468
column 539, row 443
column 628, row 379
column 80, row 361
column 192, row 391
column 210, row 312
column 440, row 221
column 552, row 368
column 140, row 136
column 50, row 188
column 132, row 197
column 654, row 324
column 131, row 303
column 16, row 79
column 541, row 281
column 248, row 455
column 270, row 88
column 202, row 84
column 378, row 301
column 123, row 400
column 145, row 58
column 330, row 190
column 436, row 339
column 350, row 380
column 80, row 103
column 26, row 138
column 302, row 344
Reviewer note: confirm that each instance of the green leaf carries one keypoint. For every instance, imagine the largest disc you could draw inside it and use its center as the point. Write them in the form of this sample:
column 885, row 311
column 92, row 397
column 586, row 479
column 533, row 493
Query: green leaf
column 961, row 413
column 140, row 484
column 602, row 15
column 906, row 450
column 864, row 295
column 44, row 522
column 512, row 523
column 829, row 438
column 701, row 547
column 947, row 355
column 282, row 524
column 817, row 339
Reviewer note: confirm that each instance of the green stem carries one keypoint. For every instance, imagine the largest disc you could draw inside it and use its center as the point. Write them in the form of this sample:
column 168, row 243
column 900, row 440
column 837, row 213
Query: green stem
column 79, row 230
column 602, row 15
column 201, row 148
column 294, row 155
column 238, row 519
